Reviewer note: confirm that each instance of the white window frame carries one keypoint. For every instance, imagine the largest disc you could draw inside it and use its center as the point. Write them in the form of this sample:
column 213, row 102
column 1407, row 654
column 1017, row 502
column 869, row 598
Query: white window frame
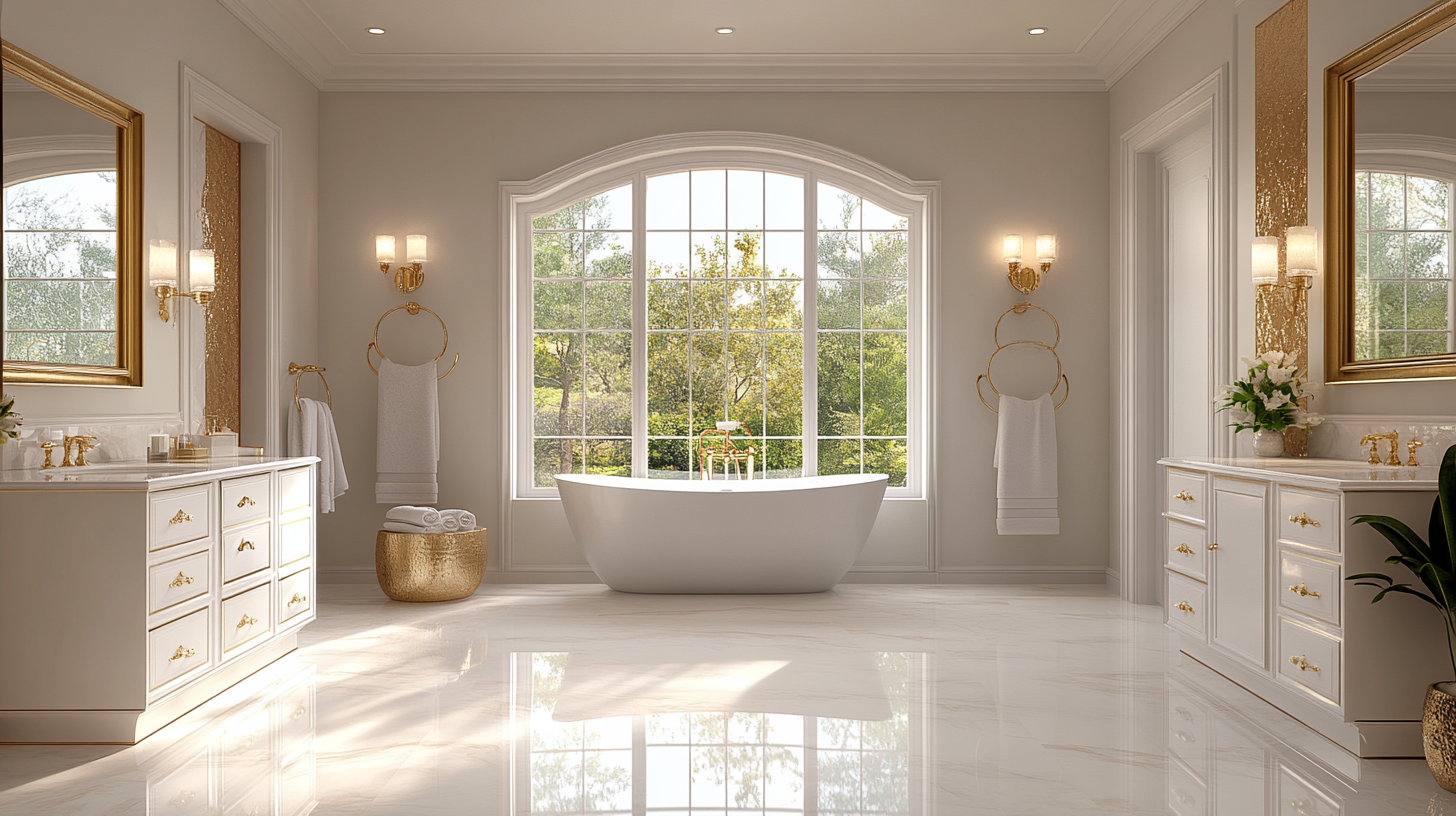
column 632, row 163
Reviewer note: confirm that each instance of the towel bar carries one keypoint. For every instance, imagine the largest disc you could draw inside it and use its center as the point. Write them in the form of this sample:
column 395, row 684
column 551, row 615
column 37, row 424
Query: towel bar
column 1060, row 382
column 299, row 371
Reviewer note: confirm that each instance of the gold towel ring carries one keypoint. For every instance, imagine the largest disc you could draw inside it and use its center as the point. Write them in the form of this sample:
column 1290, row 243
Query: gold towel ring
column 299, row 371
column 1060, row 381
column 414, row 309
column 1021, row 308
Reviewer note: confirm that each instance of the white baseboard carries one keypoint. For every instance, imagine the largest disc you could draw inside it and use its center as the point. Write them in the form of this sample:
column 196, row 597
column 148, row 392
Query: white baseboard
column 961, row 575
column 1021, row 575
column 346, row 575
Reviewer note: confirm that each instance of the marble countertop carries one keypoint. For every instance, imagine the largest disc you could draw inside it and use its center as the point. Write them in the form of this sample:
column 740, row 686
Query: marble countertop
column 141, row 475
column 1324, row 474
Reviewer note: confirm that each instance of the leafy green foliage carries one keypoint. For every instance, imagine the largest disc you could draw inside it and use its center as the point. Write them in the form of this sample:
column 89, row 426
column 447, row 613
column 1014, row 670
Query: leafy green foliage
column 1268, row 398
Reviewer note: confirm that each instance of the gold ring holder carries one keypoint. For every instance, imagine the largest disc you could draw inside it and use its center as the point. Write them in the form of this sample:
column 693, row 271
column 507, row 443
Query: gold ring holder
column 299, row 370
column 1060, row 382
column 414, row 309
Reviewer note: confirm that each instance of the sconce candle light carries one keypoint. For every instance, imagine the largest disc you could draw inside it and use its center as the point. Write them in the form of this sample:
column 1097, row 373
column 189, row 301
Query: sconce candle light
column 409, row 277
column 162, row 269
column 1301, row 258
column 1026, row 279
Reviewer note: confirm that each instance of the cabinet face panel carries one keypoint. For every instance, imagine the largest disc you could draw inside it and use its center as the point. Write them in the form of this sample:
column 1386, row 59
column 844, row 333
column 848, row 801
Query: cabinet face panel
column 1309, row 659
column 1187, row 492
column 245, row 617
column 1186, row 795
column 177, row 649
column 1310, row 519
column 295, row 490
column 1238, row 575
column 181, row 579
column 245, row 550
column 293, row 595
column 1309, row 585
column 1185, row 549
column 246, row 499
column 1187, row 605
column 295, row 535
column 179, row 515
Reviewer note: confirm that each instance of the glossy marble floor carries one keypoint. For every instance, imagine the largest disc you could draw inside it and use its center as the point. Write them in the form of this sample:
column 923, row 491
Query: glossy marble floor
column 867, row 699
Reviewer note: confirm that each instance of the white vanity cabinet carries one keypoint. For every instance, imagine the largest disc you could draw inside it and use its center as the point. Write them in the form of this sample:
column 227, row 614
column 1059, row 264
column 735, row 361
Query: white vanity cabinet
column 1265, row 602
column 131, row 594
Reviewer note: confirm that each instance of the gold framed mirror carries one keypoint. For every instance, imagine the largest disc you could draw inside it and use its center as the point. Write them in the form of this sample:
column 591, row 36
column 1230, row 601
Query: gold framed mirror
column 73, row 229
column 1390, row 204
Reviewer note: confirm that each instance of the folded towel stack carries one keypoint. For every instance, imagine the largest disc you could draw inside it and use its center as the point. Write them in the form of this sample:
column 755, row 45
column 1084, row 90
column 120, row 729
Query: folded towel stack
column 410, row 519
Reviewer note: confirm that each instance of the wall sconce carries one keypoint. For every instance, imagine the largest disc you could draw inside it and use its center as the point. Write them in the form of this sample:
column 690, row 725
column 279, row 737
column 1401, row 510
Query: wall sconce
column 162, row 269
column 1026, row 278
column 1301, row 259
column 407, row 278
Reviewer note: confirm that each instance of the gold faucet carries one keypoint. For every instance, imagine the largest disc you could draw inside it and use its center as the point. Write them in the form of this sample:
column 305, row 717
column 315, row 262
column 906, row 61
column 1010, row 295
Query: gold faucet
column 83, row 444
column 48, row 445
column 1411, row 446
column 1373, row 440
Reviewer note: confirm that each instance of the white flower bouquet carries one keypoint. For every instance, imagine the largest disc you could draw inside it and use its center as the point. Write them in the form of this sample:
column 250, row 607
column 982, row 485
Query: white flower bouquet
column 1270, row 397
column 9, row 420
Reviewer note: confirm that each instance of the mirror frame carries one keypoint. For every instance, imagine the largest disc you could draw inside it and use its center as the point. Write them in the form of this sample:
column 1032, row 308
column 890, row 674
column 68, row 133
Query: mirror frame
column 129, row 283
column 1340, row 362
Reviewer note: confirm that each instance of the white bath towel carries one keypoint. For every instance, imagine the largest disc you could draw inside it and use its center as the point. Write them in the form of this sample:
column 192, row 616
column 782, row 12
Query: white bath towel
column 406, row 527
column 1026, row 467
column 418, row 516
column 408, row 441
column 311, row 433
column 465, row 518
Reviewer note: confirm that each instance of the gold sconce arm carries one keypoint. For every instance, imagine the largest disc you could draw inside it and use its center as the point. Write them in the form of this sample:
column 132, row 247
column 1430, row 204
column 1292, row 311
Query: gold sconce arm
column 165, row 293
column 407, row 278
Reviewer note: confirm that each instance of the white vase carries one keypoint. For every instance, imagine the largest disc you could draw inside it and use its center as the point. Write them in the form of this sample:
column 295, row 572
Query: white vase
column 1268, row 443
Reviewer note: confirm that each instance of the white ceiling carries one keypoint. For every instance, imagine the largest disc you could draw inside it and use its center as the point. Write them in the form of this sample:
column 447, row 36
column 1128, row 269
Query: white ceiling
column 671, row 44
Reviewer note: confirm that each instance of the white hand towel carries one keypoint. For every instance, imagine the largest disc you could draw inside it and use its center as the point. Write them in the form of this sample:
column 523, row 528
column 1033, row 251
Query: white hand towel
column 418, row 516
column 311, row 432
column 1026, row 467
column 464, row 517
column 450, row 522
column 406, row 527
column 408, row 441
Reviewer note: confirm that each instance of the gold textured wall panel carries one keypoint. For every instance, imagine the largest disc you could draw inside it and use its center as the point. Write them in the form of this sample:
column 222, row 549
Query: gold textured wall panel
column 221, row 217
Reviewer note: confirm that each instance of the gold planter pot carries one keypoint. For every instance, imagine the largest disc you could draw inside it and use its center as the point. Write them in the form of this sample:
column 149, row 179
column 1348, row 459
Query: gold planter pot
column 423, row 567
column 1438, row 730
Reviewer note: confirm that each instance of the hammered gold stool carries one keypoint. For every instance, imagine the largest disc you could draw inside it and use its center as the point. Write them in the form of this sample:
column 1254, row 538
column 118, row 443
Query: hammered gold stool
column 425, row 567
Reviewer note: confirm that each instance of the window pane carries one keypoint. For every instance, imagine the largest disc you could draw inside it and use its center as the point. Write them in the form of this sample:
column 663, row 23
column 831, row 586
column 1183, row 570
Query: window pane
column 710, row 788
column 558, row 304
column 609, row 385
column 745, row 380
column 60, row 305
column 1391, row 344
column 839, row 384
column 839, row 303
column 783, row 254
column 1362, row 199
column 709, row 301
column 839, row 781
column 667, row 304
column 837, row 209
column 745, row 309
column 709, row 193
column 886, row 255
column 886, row 456
column 1427, row 305
column 553, row 456
column 607, row 779
column 745, row 259
column 784, row 382
column 1390, row 305
column 667, row 202
column 1387, row 201
column 781, row 459
column 557, row 375
column 667, row 776
column 710, row 255
column 745, row 200
column 74, row 201
column 556, row 782
column 784, row 305
column 566, row 218
column 61, row 255
column 668, row 254
column 784, row 775
column 709, row 381
column 667, row 384
column 608, row 304
column 609, row 457
column 886, row 782
column 611, row 210
column 884, row 384
column 1387, row 255
column 77, row 348
column 668, row 459
column 1429, row 255
column 608, row 254
column 1428, row 343
column 839, row 255
column 1362, row 249
column 885, row 304
column 557, row 254
column 1428, row 203
column 876, row 217
column 784, row 202
column 745, row 777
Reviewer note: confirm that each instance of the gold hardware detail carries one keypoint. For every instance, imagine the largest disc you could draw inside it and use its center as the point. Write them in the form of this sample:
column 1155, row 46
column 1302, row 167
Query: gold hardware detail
column 1304, row 665
column 1373, row 440
column 180, row 580
column 299, row 713
column 1304, row 592
column 248, row 620
column 299, row 371
column 246, row 502
column 1184, row 548
column 297, row 598
column 182, row 653
column 1411, row 446
column 82, row 445
column 414, row 309
column 46, row 446
column 245, row 545
column 1183, row 605
column 1213, row 546
column 1183, row 495
column 1303, row 520
column 1061, row 380
column 179, row 518
column 716, row 444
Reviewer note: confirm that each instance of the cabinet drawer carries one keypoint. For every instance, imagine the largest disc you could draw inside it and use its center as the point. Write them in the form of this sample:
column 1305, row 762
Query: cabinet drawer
column 178, row 580
column 294, row 595
column 295, row 718
column 1300, row 797
column 295, row 489
column 246, row 499
column 185, row 791
column 247, row 755
column 1186, row 492
column 1309, row 659
column 245, row 550
column 245, row 617
column 1187, row 604
column 1309, row 585
column 295, row 537
column 1311, row 519
column 1186, row 795
column 1186, row 549
column 179, row 515
column 1188, row 731
column 177, row 649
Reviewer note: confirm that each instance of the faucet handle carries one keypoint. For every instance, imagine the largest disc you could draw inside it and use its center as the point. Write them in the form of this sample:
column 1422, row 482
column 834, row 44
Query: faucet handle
column 1394, row 458
column 1374, row 442
column 1411, row 446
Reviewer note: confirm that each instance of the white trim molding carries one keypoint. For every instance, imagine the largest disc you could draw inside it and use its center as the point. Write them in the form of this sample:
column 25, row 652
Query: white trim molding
column 1406, row 153
column 28, row 158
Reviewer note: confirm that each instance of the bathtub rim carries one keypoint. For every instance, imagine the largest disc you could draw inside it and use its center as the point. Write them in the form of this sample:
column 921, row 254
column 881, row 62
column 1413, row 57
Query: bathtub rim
column 697, row 486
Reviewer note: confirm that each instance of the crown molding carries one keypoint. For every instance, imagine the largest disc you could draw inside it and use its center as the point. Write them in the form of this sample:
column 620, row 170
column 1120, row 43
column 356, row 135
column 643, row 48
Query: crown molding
column 1132, row 29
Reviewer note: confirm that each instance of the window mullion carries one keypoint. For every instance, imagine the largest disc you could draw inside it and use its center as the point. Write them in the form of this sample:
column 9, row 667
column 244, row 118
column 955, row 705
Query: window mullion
column 639, row 326
column 811, row 326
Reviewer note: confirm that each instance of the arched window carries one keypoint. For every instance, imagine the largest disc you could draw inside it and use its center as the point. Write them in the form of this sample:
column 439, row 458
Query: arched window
column 672, row 284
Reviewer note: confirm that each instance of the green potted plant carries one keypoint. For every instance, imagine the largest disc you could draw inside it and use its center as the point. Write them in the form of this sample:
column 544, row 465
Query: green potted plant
column 1434, row 563
column 1269, row 399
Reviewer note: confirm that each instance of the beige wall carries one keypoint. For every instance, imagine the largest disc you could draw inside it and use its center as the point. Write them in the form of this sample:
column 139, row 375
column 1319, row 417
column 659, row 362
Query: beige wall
column 432, row 163
column 132, row 50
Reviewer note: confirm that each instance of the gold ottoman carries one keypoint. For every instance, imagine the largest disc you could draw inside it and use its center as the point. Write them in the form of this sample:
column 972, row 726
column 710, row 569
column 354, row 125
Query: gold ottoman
column 429, row 566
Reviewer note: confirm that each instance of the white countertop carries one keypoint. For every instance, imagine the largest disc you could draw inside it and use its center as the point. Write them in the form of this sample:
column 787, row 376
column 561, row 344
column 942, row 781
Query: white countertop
column 140, row 475
column 1323, row 474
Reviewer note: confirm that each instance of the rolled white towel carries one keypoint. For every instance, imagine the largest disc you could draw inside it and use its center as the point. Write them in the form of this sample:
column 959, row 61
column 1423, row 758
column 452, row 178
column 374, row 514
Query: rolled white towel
column 464, row 518
column 418, row 516
column 406, row 527
column 450, row 522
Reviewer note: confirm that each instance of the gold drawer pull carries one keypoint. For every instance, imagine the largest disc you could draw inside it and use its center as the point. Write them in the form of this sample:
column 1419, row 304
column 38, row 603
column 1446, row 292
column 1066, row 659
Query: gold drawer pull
column 297, row 598
column 1304, row 592
column 247, row 502
column 1184, row 605
column 1303, row 520
column 1184, row 548
column 1304, row 665
column 179, row 580
column 299, row 713
column 1184, row 737
column 182, row 799
column 182, row 653
column 1213, row 546
column 179, row 518
column 246, row 545
column 1183, row 495
column 248, row 620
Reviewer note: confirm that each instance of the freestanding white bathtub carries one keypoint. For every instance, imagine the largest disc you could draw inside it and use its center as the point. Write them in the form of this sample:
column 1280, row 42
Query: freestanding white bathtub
column 729, row 537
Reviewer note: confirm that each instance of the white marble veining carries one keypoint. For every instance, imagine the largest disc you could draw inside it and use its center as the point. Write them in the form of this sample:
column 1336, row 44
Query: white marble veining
column 865, row 699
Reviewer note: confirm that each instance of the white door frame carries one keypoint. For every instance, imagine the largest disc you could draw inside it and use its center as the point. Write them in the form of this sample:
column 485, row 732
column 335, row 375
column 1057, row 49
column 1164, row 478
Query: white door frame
column 1139, row 334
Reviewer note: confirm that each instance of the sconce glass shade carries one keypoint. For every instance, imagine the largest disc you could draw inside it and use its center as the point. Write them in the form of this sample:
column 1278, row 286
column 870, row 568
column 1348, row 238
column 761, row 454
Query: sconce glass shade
column 201, row 271
column 415, row 248
column 1011, row 248
column 1046, row 248
column 1301, row 251
column 384, row 248
column 1266, row 259
column 162, row 263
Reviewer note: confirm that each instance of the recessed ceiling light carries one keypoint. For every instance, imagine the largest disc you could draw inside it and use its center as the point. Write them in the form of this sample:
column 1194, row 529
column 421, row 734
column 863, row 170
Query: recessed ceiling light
column 1037, row 30
column 376, row 31
column 725, row 30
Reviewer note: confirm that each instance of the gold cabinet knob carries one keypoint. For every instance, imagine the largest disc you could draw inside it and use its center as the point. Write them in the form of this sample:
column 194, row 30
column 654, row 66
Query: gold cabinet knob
column 182, row 653
column 297, row 598
column 1183, row 495
column 180, row 580
column 1304, row 592
column 245, row 545
column 1183, row 605
column 1183, row 548
column 246, row 502
column 1213, row 546
column 1304, row 665
column 179, row 518
column 1303, row 520
column 248, row 620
